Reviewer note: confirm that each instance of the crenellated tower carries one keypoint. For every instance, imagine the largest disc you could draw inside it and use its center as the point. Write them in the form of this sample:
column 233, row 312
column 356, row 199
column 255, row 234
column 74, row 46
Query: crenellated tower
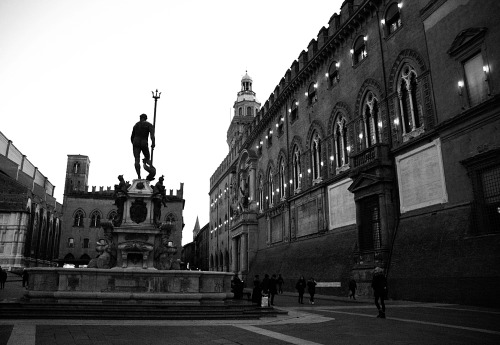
column 77, row 173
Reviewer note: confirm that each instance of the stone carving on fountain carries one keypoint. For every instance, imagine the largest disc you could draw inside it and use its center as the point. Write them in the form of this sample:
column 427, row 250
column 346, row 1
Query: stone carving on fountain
column 137, row 238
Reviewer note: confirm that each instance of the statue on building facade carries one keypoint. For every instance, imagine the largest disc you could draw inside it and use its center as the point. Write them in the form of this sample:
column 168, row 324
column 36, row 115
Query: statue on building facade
column 244, row 196
column 140, row 134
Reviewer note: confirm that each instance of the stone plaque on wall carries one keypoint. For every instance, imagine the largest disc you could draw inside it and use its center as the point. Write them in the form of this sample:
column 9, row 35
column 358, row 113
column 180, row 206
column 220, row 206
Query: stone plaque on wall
column 277, row 228
column 341, row 205
column 307, row 218
column 421, row 177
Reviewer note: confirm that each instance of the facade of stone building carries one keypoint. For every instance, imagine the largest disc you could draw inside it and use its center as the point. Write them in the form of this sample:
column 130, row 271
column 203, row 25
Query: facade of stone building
column 30, row 216
column 378, row 147
column 84, row 209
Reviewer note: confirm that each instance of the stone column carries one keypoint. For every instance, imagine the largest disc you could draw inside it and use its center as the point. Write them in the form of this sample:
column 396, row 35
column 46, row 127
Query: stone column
column 252, row 183
column 234, row 254
column 244, row 252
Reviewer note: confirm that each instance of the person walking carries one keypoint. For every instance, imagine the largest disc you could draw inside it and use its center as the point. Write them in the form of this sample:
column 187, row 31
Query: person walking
column 25, row 278
column 265, row 287
column 3, row 278
column 273, row 290
column 256, row 292
column 280, row 281
column 311, row 288
column 301, row 287
column 379, row 285
column 237, row 287
column 352, row 287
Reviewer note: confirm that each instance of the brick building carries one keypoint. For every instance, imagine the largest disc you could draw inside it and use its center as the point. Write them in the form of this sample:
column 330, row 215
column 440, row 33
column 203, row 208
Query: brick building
column 30, row 216
column 378, row 147
column 84, row 209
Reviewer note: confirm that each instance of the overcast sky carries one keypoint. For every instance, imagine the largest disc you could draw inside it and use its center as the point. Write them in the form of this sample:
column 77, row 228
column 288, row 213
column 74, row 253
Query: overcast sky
column 76, row 74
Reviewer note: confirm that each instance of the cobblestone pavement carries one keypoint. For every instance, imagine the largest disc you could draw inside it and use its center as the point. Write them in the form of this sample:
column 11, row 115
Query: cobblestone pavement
column 328, row 321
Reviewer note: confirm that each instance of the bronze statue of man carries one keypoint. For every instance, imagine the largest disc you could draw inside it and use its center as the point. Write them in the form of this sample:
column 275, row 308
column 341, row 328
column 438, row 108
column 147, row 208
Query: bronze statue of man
column 140, row 134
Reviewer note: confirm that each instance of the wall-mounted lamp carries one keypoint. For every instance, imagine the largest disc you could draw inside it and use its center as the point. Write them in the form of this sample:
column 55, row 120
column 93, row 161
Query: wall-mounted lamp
column 348, row 149
column 300, row 175
column 337, row 64
column 360, row 136
column 326, row 75
column 307, row 94
column 365, row 38
column 291, row 181
column 382, row 21
column 380, row 124
column 308, row 171
column 297, row 103
column 400, row 5
column 351, row 51
column 277, row 125
column 396, row 122
column 316, row 85
column 460, row 87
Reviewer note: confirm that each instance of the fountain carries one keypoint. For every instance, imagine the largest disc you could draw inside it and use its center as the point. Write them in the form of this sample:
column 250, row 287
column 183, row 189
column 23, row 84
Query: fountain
column 135, row 264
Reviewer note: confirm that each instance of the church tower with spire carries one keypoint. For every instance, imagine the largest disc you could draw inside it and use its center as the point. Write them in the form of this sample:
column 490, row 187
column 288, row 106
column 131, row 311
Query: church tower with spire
column 245, row 108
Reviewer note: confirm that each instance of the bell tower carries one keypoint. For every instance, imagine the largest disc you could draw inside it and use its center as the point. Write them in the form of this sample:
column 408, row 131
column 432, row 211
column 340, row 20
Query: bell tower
column 77, row 173
column 245, row 109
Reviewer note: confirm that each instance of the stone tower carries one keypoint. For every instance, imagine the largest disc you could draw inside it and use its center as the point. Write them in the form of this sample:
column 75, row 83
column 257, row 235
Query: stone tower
column 245, row 107
column 77, row 173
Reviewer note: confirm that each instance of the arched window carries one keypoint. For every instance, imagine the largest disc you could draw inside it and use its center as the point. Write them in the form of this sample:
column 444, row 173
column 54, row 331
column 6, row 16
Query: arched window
column 392, row 19
column 316, row 156
column 240, row 111
column 269, row 137
column 270, row 187
column 112, row 215
column 170, row 218
column 342, row 147
column 282, row 178
column 359, row 50
column 408, row 100
column 78, row 219
column 249, row 111
column 294, row 110
column 261, row 194
column 371, row 120
column 76, row 168
column 311, row 93
column 71, row 242
column 95, row 219
column 333, row 73
column 297, row 172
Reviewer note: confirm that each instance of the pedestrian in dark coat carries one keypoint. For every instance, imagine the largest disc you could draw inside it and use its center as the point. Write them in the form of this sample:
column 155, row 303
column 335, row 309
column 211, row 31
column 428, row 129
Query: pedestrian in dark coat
column 301, row 287
column 352, row 287
column 25, row 278
column 379, row 285
column 273, row 290
column 281, row 281
column 3, row 278
column 265, row 284
column 237, row 287
column 256, row 292
column 311, row 288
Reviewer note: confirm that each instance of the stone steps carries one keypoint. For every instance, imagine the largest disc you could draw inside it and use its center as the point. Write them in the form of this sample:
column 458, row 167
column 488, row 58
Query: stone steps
column 124, row 312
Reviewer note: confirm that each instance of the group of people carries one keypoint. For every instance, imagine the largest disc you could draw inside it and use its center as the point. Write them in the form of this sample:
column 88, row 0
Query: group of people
column 301, row 286
column 268, row 288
